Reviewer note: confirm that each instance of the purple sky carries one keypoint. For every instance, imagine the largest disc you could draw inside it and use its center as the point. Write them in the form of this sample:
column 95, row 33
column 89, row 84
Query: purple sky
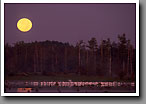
column 71, row 22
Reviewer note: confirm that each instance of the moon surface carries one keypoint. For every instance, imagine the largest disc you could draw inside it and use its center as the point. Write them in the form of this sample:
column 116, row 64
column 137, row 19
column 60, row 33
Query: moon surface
column 24, row 24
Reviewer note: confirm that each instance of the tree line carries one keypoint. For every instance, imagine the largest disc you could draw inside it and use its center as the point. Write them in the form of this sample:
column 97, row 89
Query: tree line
column 53, row 57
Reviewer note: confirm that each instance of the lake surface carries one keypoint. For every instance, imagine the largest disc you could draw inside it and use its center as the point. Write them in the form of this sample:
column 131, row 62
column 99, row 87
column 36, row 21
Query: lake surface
column 68, row 87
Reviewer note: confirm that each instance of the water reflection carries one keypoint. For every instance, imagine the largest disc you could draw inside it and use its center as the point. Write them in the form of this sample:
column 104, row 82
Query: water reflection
column 24, row 90
column 46, row 86
column 72, row 84
column 28, row 84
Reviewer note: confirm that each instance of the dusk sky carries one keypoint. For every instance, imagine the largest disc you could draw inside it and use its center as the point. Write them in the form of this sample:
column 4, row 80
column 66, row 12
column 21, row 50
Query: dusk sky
column 71, row 22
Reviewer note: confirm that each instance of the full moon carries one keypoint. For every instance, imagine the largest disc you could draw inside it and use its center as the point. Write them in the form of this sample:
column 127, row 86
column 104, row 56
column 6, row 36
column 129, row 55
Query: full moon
column 24, row 24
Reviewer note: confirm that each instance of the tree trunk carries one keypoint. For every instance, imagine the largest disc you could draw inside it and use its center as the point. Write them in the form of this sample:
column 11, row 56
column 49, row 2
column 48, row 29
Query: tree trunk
column 79, row 60
column 131, row 61
column 15, row 60
column 52, row 58
column 37, row 63
column 128, row 61
column 56, row 61
column 26, row 58
column 87, row 63
column 110, row 63
column 34, row 58
column 123, row 66
column 101, row 57
column 41, row 60
column 101, row 51
column 94, row 55
column 65, row 59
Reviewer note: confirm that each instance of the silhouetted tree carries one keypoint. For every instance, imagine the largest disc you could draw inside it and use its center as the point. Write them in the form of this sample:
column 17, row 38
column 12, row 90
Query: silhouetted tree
column 93, row 48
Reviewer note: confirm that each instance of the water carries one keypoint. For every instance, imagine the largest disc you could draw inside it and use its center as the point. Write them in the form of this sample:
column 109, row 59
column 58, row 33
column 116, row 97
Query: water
column 67, row 87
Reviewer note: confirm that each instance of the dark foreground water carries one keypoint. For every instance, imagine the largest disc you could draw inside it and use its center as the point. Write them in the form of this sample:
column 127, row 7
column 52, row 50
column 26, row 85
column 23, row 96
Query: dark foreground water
column 68, row 87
